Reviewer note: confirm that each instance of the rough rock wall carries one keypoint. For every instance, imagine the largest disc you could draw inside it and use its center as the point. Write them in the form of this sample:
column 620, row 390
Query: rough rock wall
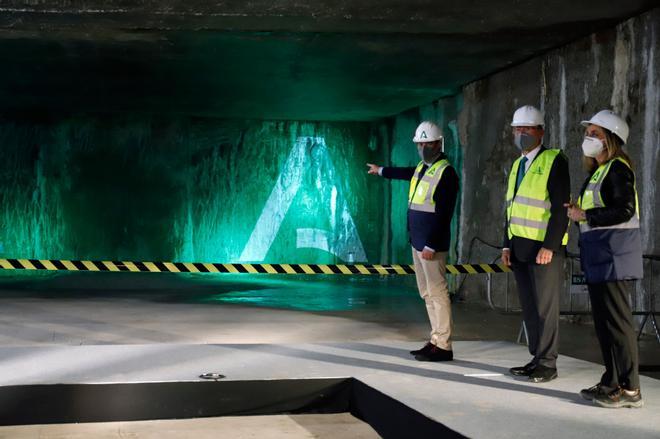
column 138, row 187
column 617, row 69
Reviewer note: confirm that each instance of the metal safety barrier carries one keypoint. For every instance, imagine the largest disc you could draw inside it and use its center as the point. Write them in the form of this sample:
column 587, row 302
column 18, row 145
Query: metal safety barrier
column 201, row 267
column 575, row 277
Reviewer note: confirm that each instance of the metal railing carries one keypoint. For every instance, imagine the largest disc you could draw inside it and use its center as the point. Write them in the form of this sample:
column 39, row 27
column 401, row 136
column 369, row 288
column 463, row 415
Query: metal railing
column 574, row 278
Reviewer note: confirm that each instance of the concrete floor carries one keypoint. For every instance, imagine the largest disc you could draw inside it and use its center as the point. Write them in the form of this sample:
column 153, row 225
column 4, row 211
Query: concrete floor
column 101, row 308
column 340, row 425
column 473, row 394
column 360, row 328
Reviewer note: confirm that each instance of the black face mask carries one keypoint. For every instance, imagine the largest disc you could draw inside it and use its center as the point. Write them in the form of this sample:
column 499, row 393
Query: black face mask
column 524, row 141
column 429, row 154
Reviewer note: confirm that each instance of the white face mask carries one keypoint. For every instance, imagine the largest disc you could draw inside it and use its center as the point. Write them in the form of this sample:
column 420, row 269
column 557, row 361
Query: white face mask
column 592, row 146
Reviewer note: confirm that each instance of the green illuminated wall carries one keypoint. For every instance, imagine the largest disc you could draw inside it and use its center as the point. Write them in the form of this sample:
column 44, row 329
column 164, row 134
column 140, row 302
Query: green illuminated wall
column 149, row 188
column 187, row 189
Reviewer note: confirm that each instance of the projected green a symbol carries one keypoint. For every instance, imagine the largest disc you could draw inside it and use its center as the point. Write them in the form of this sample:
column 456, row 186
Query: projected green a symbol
column 308, row 171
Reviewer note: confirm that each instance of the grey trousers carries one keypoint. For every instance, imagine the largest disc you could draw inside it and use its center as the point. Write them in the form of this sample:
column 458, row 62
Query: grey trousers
column 539, row 289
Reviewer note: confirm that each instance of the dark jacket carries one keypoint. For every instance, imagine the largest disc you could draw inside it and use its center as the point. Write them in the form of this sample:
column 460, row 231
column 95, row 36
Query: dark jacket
column 559, row 189
column 431, row 229
column 618, row 192
column 612, row 254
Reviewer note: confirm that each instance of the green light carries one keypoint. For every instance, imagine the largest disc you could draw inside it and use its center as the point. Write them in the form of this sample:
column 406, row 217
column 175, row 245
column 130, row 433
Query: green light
column 151, row 188
column 322, row 293
column 308, row 170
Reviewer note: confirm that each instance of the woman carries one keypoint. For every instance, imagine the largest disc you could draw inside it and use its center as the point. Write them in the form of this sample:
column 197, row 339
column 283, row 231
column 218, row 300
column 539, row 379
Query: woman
column 610, row 254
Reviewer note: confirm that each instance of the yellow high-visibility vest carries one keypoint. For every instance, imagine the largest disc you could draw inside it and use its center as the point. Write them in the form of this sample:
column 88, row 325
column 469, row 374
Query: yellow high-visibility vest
column 420, row 195
column 592, row 198
column 528, row 209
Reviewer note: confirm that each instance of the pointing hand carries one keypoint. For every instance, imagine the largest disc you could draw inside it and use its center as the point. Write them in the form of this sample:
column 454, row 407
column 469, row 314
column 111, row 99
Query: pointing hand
column 373, row 169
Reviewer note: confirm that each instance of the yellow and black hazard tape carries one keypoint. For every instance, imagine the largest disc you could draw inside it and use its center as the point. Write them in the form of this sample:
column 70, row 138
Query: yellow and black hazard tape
column 477, row 268
column 199, row 267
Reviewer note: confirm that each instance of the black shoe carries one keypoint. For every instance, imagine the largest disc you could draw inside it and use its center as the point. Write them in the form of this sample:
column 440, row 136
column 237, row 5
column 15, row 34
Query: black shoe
column 523, row 371
column 436, row 354
column 620, row 397
column 543, row 374
column 427, row 347
column 593, row 391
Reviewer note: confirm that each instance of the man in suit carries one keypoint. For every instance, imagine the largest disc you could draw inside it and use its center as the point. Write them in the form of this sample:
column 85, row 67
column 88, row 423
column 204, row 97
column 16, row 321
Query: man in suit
column 535, row 239
column 431, row 199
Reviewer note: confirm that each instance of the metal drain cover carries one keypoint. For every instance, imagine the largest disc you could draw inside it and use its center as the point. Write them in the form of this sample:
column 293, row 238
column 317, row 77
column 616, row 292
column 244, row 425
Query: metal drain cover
column 212, row 376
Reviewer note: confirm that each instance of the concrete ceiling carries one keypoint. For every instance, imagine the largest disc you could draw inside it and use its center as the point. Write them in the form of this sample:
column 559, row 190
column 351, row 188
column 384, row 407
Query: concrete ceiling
column 277, row 59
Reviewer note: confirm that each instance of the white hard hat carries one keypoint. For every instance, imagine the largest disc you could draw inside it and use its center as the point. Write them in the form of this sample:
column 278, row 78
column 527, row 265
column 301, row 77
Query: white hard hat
column 527, row 116
column 610, row 121
column 427, row 132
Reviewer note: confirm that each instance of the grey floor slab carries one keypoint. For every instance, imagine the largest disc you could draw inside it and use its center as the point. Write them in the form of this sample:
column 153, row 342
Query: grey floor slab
column 334, row 426
column 109, row 329
column 473, row 395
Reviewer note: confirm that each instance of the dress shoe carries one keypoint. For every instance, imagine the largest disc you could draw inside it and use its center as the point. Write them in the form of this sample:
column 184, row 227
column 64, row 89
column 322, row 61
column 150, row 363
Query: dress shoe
column 543, row 374
column 436, row 354
column 427, row 347
column 595, row 390
column 620, row 397
column 523, row 371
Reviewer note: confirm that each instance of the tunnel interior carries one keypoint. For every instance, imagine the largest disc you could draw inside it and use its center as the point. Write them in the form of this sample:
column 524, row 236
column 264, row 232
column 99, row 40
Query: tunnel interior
column 231, row 132
column 238, row 132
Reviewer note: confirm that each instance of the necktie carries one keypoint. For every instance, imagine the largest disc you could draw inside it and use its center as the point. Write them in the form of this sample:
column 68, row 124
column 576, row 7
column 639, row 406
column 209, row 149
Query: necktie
column 521, row 172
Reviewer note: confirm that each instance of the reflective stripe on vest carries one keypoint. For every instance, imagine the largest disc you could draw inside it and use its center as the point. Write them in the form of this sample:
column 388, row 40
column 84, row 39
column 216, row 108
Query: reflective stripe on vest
column 591, row 198
column 528, row 209
column 420, row 194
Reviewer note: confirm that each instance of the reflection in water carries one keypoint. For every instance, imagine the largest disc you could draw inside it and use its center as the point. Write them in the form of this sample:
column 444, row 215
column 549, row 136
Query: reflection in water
column 317, row 293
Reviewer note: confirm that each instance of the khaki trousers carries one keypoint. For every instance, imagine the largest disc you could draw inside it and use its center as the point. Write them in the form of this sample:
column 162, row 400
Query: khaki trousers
column 432, row 285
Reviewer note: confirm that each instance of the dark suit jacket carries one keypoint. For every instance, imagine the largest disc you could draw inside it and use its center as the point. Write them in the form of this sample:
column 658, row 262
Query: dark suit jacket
column 559, row 188
column 431, row 229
